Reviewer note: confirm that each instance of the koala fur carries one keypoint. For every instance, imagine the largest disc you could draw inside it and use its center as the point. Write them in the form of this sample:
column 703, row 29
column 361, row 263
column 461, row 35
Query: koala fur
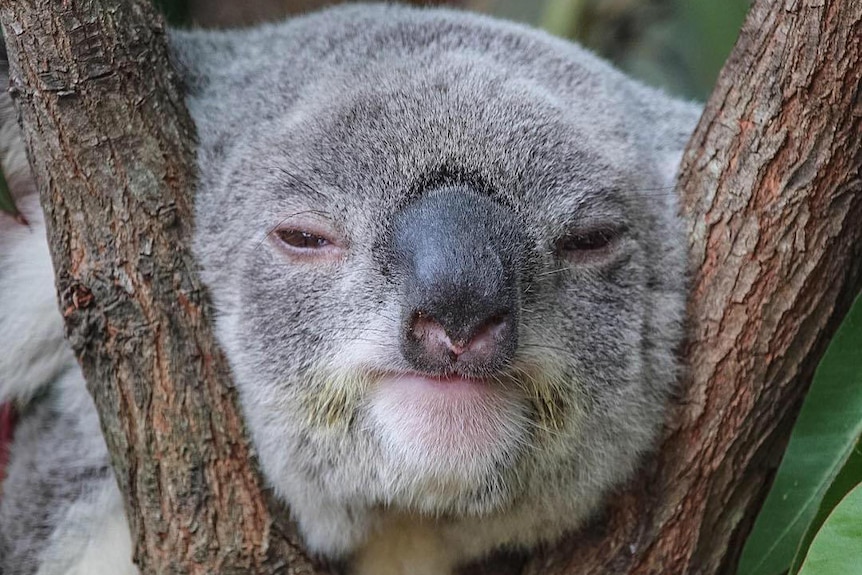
column 377, row 131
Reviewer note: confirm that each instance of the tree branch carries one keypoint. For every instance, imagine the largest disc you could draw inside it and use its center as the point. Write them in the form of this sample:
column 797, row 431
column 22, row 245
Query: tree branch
column 772, row 191
column 111, row 144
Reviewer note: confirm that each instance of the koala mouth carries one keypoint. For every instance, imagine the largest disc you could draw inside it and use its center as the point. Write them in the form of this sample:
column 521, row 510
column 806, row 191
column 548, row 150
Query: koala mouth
column 446, row 382
column 446, row 435
column 533, row 396
column 449, row 417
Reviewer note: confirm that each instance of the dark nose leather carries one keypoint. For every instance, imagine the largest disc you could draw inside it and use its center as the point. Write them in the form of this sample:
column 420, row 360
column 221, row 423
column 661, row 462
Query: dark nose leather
column 458, row 252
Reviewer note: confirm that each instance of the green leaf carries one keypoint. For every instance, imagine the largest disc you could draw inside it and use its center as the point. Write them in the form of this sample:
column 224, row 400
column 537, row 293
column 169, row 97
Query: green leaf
column 849, row 477
column 837, row 547
column 828, row 428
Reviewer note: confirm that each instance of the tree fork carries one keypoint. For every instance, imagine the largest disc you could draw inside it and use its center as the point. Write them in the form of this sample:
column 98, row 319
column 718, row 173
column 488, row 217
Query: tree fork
column 771, row 189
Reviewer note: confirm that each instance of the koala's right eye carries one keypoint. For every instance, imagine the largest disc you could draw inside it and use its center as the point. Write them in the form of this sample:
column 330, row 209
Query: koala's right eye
column 304, row 243
column 302, row 240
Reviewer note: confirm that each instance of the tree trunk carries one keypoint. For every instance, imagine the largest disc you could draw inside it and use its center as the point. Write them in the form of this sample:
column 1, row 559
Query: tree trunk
column 771, row 188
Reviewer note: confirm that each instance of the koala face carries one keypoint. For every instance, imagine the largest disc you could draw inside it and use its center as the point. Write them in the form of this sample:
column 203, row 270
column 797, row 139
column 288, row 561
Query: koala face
column 446, row 264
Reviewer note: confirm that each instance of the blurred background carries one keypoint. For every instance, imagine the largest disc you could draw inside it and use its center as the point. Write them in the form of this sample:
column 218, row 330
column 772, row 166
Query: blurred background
column 677, row 44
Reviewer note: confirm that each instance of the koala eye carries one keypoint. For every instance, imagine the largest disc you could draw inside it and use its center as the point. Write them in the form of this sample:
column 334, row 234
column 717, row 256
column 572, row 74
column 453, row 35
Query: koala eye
column 304, row 244
column 589, row 244
column 302, row 240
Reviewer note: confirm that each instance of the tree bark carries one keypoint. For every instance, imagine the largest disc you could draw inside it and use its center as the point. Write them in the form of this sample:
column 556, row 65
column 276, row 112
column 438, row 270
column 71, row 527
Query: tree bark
column 771, row 190
column 111, row 145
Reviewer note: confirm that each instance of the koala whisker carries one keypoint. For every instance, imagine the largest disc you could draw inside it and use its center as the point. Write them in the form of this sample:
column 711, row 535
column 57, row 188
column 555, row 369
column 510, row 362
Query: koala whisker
column 545, row 346
column 292, row 178
column 553, row 271
column 364, row 329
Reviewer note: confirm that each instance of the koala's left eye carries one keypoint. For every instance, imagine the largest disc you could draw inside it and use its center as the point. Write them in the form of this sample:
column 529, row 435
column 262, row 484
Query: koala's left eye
column 302, row 240
column 589, row 244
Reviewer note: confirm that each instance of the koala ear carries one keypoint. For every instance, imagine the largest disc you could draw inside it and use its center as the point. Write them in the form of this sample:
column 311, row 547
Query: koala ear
column 668, row 163
column 669, row 126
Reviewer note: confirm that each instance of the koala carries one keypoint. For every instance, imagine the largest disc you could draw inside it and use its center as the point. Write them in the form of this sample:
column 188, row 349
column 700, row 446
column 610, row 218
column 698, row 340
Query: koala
column 448, row 272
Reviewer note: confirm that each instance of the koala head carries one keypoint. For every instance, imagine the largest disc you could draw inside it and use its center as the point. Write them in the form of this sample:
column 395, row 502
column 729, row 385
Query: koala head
column 446, row 263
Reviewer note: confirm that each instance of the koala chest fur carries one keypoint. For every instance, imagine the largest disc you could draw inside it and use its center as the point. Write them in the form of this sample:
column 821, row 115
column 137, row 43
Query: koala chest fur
column 448, row 274
column 404, row 545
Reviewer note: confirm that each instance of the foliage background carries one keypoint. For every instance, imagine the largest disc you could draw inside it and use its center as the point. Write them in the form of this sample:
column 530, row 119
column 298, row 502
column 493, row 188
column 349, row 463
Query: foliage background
column 680, row 46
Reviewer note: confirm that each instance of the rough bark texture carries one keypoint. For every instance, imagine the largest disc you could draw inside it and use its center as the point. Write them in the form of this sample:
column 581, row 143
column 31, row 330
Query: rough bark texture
column 772, row 191
column 112, row 149
column 771, row 187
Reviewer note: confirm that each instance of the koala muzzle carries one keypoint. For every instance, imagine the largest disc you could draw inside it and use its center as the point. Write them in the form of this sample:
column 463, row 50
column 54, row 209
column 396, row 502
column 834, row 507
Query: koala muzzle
column 458, row 254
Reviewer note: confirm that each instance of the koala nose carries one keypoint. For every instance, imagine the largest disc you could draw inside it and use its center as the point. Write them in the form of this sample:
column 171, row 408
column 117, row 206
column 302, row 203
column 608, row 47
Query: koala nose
column 476, row 344
column 458, row 253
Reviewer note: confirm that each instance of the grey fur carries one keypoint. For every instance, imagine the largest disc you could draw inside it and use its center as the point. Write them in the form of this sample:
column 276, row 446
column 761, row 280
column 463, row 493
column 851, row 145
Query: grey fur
column 348, row 115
